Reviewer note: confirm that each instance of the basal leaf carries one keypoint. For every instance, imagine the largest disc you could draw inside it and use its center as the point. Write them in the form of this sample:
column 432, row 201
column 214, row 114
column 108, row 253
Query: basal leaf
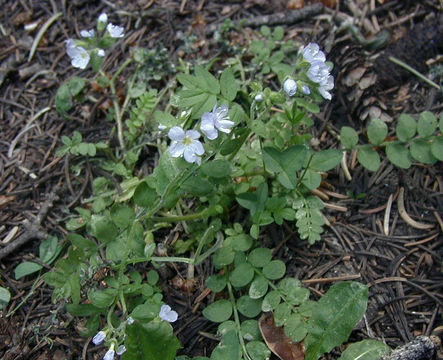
column 335, row 316
column 258, row 288
column 217, row 168
column 365, row 350
column 421, row 151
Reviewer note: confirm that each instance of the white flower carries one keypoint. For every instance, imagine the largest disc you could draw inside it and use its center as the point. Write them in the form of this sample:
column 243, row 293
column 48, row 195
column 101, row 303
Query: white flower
column 114, row 30
column 79, row 56
column 121, row 350
column 290, row 87
column 87, row 33
column 216, row 119
column 311, row 53
column 258, row 98
column 318, row 71
column 130, row 320
column 167, row 314
column 103, row 18
column 325, row 86
column 101, row 52
column 185, row 144
column 110, row 353
column 99, row 338
column 305, row 89
column 161, row 127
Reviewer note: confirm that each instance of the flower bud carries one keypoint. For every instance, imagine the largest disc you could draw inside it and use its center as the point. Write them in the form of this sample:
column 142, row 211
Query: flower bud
column 290, row 87
column 258, row 98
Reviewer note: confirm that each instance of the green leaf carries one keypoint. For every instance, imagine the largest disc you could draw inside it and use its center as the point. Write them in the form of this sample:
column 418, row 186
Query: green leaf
column 76, row 85
column 5, row 296
column 271, row 301
column 206, row 80
column 146, row 312
column 437, row 147
column 122, row 215
column 406, row 127
column 218, row 311
column 258, row 350
column 223, row 256
column 293, row 291
column 260, row 257
column 228, row 85
column 63, row 99
column 377, row 131
column 254, row 201
column 274, row 270
column 421, row 151
column 144, row 196
column 334, row 318
column 217, row 168
column 398, row 155
column 325, row 160
column 427, row 124
column 296, row 328
column 226, row 326
column 285, row 164
column 102, row 298
column 26, row 268
column 348, row 137
column 249, row 330
column 240, row 242
column 249, row 307
column 258, row 288
column 228, row 348
column 311, row 179
column 216, row 282
column 153, row 341
column 365, row 350
column 368, row 157
column 282, row 313
column 242, row 275
column 82, row 309
column 103, row 229
column 49, row 249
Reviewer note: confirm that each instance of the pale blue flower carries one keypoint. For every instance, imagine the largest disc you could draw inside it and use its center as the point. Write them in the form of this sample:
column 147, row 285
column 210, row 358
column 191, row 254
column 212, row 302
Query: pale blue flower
column 87, row 33
column 258, row 98
column 103, row 18
column 318, row 71
column 130, row 320
column 115, row 31
column 121, row 350
column 186, row 144
column 216, row 119
column 79, row 55
column 311, row 53
column 167, row 314
column 110, row 353
column 326, row 85
column 99, row 338
column 305, row 89
column 290, row 87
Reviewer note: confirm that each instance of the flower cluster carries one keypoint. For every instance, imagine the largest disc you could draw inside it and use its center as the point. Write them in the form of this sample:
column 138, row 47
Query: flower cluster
column 186, row 143
column 80, row 51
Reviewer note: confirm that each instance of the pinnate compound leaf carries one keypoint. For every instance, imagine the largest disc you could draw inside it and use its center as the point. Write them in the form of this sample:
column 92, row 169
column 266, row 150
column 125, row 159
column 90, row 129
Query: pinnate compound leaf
column 365, row 350
column 228, row 348
column 325, row 160
column 348, row 137
column 427, row 124
column 218, row 311
column 154, row 341
column 335, row 315
column 398, row 155
column 278, row 342
column 368, row 157
column 406, row 127
column 377, row 131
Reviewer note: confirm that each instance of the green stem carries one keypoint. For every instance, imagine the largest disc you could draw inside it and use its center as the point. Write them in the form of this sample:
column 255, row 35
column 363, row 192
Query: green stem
column 202, row 242
column 213, row 210
column 413, row 71
column 304, row 172
column 237, row 319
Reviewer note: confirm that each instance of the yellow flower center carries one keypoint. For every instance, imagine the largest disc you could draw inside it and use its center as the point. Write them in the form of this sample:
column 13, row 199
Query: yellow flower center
column 187, row 141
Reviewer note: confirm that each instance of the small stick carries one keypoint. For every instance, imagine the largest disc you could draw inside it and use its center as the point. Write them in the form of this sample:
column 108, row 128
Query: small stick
column 405, row 216
column 344, row 166
column 421, row 348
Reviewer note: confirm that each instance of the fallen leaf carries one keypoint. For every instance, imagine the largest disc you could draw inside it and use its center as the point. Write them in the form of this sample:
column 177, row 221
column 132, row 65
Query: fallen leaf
column 277, row 341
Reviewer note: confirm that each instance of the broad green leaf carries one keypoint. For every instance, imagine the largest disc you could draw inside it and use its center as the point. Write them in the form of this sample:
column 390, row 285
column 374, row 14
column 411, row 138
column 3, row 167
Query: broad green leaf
column 228, row 348
column 271, row 301
column 63, row 99
column 334, row 318
column 406, row 127
column 365, row 350
column 437, row 147
column 76, row 85
column 240, row 242
column 440, row 123
column 293, row 291
column 242, row 275
column 216, row 282
column 228, row 85
column 377, row 131
column 282, row 313
column 258, row 288
column 325, row 160
column 5, row 296
column 102, row 298
column 427, row 124
column 217, row 168
column 153, row 341
column 122, row 215
column 421, row 151
column 249, row 330
column 296, row 328
column 398, row 155
column 73, row 283
column 274, row 270
column 152, row 277
column 226, row 326
column 146, row 312
column 311, row 179
column 197, row 185
column 260, row 257
column 254, row 201
column 26, row 268
column 103, row 229
column 82, row 309
column 285, row 164
column 278, row 33
column 258, row 350
column 249, row 307
column 368, row 157
column 312, row 107
column 144, row 195
column 218, row 311
column 223, row 256
column 206, row 80
column 49, row 249
column 348, row 137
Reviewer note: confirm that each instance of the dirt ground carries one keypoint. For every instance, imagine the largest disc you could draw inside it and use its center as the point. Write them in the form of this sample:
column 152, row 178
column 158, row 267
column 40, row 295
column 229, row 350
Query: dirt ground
column 401, row 264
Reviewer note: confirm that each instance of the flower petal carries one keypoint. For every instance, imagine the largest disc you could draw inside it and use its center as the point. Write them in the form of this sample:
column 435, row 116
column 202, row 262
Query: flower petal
column 197, row 147
column 176, row 149
column 211, row 134
column 176, row 133
column 193, row 134
column 190, row 157
column 225, row 126
column 115, row 31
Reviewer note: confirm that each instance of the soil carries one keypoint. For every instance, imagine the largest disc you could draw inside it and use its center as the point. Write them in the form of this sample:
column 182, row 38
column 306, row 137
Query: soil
column 401, row 264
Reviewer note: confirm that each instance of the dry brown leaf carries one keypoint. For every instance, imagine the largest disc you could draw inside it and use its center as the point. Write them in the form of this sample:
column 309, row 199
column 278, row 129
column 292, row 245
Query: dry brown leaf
column 277, row 341
column 295, row 4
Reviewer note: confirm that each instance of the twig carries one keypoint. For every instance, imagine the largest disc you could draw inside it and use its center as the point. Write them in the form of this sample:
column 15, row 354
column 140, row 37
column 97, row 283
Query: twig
column 421, row 348
column 405, row 216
